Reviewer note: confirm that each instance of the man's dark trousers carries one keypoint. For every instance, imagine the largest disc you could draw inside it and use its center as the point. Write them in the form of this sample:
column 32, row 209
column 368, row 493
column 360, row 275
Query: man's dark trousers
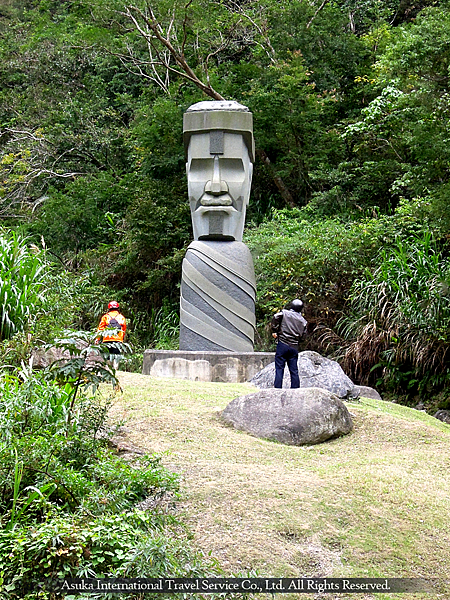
column 286, row 354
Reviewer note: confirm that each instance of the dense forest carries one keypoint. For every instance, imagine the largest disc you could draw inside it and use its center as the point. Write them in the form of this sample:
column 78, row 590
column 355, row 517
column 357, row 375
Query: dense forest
column 349, row 206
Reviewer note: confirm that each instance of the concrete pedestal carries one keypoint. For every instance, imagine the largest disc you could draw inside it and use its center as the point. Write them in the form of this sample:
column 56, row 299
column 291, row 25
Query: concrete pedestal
column 226, row 367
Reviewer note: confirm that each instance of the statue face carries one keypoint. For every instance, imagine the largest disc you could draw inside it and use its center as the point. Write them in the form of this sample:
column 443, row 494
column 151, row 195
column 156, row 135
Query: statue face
column 219, row 173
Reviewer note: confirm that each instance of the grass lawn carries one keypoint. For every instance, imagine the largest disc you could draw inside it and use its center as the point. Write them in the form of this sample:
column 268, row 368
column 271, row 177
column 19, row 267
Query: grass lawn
column 374, row 503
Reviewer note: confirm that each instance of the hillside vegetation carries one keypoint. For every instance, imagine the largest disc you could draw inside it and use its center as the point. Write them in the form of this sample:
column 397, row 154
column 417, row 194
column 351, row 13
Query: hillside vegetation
column 349, row 207
column 349, row 211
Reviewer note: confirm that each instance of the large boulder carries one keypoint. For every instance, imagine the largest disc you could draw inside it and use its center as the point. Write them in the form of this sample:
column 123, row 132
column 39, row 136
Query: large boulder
column 294, row 417
column 314, row 371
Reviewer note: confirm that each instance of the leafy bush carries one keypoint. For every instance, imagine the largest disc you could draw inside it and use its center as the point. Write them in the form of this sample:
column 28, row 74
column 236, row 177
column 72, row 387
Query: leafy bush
column 88, row 365
column 129, row 544
column 401, row 318
column 21, row 283
column 298, row 255
column 48, row 436
column 68, row 505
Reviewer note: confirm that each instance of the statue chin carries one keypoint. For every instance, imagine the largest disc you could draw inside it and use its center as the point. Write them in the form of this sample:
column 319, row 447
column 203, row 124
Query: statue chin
column 218, row 223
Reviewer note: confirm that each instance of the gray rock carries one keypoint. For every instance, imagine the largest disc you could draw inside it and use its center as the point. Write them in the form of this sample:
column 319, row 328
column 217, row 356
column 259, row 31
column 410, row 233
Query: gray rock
column 314, row 371
column 443, row 415
column 42, row 358
column 368, row 392
column 293, row 417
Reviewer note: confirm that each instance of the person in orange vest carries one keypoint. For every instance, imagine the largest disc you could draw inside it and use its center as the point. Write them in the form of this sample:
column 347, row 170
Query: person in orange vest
column 112, row 328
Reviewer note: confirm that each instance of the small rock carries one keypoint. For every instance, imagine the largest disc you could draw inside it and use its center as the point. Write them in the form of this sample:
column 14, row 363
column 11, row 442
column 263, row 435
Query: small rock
column 368, row 392
column 443, row 415
column 294, row 417
column 42, row 358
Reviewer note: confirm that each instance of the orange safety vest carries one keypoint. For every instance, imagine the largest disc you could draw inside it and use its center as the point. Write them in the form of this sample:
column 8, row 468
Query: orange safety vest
column 113, row 320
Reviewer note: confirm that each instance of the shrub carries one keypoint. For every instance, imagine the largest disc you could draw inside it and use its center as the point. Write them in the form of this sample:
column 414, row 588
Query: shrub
column 21, row 283
column 129, row 544
column 296, row 256
column 401, row 318
column 68, row 504
column 298, row 253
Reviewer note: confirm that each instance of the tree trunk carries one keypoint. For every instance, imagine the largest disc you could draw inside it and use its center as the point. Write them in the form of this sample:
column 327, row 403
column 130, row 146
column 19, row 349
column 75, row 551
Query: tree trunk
column 284, row 192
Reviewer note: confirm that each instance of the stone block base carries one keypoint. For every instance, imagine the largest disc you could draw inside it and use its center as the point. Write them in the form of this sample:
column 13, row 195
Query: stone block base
column 225, row 367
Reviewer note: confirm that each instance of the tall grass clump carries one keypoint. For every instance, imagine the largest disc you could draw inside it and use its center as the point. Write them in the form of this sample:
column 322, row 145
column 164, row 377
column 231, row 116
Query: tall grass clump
column 21, row 283
column 165, row 327
column 400, row 319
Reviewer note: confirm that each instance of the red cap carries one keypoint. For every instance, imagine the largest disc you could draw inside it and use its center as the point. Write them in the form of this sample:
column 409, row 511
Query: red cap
column 113, row 304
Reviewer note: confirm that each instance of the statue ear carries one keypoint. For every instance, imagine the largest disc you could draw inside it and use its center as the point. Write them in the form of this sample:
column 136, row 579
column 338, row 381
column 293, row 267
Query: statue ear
column 250, row 176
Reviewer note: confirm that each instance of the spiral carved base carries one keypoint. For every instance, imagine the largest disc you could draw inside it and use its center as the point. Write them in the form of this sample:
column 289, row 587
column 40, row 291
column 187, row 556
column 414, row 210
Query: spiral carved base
column 217, row 306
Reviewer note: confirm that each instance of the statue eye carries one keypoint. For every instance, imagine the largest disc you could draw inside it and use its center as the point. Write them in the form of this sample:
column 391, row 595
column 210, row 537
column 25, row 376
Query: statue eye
column 232, row 169
column 200, row 169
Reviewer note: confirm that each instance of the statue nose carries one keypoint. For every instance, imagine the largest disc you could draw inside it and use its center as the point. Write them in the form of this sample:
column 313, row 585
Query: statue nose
column 216, row 186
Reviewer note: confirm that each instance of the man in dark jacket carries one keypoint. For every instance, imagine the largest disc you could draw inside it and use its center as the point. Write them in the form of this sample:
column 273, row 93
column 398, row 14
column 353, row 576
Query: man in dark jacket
column 288, row 327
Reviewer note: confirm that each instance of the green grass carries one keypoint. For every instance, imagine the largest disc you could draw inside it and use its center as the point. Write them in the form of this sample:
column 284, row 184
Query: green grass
column 402, row 412
column 374, row 503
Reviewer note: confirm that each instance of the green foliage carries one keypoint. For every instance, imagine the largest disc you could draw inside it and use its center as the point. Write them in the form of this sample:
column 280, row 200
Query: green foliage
column 419, row 55
column 166, row 327
column 84, row 362
column 85, row 215
column 296, row 256
column 68, row 505
column 401, row 317
column 397, row 146
column 130, row 544
column 156, row 138
column 289, row 117
column 21, row 283
column 147, row 260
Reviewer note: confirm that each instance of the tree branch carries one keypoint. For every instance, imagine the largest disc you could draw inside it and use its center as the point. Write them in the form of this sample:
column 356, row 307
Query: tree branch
column 183, row 43
column 316, row 13
column 179, row 59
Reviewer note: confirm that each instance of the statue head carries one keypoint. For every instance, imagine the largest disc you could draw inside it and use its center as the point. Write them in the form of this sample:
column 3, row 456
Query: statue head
column 218, row 138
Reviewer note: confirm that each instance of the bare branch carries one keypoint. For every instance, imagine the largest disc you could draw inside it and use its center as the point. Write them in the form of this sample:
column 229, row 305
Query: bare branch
column 316, row 13
column 25, row 135
column 238, row 8
column 155, row 28
column 183, row 44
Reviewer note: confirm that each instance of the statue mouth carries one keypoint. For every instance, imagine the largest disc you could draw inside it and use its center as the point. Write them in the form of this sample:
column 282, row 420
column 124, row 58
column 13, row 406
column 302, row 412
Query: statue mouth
column 211, row 200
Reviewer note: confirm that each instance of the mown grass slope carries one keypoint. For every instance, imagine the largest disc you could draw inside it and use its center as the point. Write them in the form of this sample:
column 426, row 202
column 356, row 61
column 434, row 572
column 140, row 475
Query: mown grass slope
column 372, row 504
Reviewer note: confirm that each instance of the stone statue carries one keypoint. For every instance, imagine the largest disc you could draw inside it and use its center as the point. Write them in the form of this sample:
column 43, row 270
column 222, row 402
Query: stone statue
column 218, row 282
